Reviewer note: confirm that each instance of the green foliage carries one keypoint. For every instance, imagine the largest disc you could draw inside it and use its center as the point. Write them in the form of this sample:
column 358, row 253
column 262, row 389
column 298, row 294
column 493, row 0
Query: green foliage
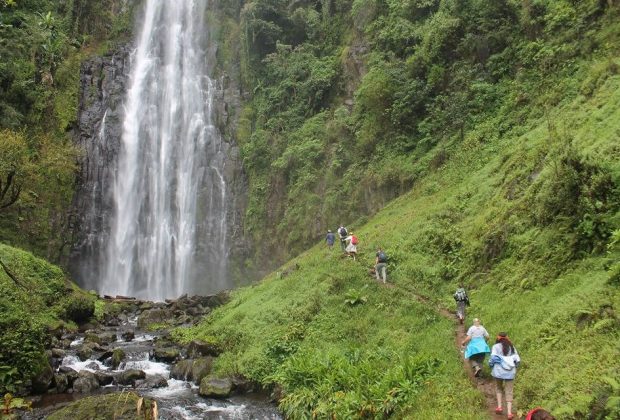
column 368, row 88
column 35, row 298
column 355, row 297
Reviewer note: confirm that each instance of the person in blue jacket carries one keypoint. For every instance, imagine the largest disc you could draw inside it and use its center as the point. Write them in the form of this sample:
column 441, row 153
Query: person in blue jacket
column 477, row 347
column 504, row 362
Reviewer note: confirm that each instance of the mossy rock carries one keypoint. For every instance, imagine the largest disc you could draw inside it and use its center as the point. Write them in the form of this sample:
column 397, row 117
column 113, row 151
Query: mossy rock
column 118, row 355
column 120, row 406
column 213, row 387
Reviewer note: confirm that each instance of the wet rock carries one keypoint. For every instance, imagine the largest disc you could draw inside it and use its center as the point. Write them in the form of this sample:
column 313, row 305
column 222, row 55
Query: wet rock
column 92, row 366
column 199, row 348
column 86, row 351
column 107, row 338
column 152, row 382
column 200, row 369
column 118, row 355
column 128, row 335
column 181, row 370
column 58, row 353
column 92, row 337
column 192, row 370
column 42, row 381
column 64, row 344
column 104, row 378
column 61, row 382
column 166, row 354
column 67, row 370
column 212, row 387
column 153, row 316
column 130, row 376
column 85, row 383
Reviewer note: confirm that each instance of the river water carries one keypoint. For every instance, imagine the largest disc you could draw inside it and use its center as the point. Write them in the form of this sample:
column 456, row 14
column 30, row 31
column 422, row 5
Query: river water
column 178, row 400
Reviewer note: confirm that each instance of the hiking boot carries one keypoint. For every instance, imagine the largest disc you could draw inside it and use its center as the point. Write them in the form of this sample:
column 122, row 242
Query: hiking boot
column 498, row 410
column 510, row 417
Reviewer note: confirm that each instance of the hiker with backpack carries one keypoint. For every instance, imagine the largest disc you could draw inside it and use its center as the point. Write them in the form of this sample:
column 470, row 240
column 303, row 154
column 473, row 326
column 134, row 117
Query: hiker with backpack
column 330, row 238
column 381, row 265
column 342, row 233
column 504, row 363
column 462, row 300
column 477, row 347
column 351, row 248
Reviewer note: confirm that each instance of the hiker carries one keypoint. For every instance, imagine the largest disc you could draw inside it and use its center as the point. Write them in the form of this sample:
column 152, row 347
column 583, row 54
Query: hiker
column 462, row 300
column 477, row 346
column 504, row 362
column 539, row 414
column 330, row 238
column 351, row 248
column 342, row 233
column 381, row 265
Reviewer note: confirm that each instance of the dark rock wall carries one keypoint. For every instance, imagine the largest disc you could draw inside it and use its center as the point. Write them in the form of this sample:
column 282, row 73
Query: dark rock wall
column 98, row 134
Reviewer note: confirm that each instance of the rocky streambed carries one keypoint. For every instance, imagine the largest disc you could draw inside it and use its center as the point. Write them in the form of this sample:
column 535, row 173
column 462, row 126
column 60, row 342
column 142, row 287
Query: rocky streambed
column 128, row 356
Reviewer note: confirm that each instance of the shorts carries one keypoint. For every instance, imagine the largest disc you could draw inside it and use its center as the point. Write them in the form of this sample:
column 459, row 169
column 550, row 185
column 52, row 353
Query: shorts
column 505, row 385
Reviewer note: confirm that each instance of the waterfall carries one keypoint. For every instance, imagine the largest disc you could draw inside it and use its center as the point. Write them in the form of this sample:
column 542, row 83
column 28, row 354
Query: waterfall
column 168, row 228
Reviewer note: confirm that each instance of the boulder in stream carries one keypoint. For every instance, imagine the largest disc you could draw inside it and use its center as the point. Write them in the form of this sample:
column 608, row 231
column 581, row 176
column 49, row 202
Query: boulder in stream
column 43, row 379
column 165, row 354
column 154, row 316
column 130, row 376
column 104, row 378
column 61, row 381
column 213, row 387
column 154, row 381
column 118, row 355
column 128, row 335
column 192, row 370
column 86, row 351
column 86, row 382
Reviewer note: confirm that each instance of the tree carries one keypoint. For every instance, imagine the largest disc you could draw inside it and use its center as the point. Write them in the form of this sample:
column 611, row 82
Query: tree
column 14, row 166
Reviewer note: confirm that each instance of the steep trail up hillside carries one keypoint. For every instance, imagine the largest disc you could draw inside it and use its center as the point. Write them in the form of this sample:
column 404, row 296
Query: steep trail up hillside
column 484, row 384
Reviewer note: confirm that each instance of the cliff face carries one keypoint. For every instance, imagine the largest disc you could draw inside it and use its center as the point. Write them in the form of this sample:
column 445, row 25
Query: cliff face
column 98, row 134
column 103, row 84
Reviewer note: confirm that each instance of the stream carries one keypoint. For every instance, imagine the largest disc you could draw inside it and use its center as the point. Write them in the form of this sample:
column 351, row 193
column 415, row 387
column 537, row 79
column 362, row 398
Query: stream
column 176, row 398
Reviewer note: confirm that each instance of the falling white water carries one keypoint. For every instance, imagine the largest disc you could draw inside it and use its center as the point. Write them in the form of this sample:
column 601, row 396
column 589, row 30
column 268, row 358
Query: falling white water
column 168, row 229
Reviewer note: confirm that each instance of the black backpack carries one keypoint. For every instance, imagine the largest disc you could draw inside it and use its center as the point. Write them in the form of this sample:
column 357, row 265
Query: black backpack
column 342, row 232
column 382, row 257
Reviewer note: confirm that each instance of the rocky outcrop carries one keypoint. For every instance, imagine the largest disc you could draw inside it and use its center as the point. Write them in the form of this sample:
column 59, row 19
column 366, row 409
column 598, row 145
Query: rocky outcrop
column 192, row 370
column 103, row 83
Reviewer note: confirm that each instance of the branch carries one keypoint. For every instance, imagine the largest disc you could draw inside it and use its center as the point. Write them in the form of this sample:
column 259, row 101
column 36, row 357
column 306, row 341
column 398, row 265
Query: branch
column 11, row 275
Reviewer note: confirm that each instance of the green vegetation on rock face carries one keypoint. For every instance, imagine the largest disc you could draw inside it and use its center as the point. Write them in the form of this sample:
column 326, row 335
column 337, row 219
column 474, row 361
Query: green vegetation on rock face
column 35, row 300
column 351, row 100
column 529, row 221
column 42, row 44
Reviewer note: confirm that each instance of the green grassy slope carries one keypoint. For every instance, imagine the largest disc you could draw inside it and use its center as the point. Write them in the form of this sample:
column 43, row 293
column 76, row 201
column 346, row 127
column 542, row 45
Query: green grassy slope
column 35, row 300
column 523, row 218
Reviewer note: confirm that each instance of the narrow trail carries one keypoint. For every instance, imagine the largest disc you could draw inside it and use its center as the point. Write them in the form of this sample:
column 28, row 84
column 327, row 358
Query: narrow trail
column 484, row 383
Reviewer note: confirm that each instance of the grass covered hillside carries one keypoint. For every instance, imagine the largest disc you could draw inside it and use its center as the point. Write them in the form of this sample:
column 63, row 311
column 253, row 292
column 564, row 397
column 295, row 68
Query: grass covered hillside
column 525, row 214
column 36, row 299
column 349, row 100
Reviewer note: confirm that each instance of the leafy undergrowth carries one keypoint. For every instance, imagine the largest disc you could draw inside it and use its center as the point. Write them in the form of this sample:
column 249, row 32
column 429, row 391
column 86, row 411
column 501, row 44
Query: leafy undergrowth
column 35, row 299
column 529, row 221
